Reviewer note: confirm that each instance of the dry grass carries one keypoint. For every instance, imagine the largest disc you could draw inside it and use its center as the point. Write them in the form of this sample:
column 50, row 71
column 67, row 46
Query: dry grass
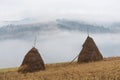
column 108, row 69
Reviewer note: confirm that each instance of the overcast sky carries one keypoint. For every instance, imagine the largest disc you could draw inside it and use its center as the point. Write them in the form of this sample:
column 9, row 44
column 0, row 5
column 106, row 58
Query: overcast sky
column 89, row 10
column 68, row 44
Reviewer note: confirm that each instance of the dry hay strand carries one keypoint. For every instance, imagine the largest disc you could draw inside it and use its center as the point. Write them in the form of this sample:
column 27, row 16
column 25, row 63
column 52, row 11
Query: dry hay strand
column 89, row 52
column 32, row 62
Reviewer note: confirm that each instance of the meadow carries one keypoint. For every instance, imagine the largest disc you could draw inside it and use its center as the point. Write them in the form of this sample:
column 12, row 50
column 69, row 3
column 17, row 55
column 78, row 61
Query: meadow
column 107, row 69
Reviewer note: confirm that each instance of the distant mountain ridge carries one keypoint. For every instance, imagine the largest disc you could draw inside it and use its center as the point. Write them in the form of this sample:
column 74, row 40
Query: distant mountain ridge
column 21, row 31
column 81, row 26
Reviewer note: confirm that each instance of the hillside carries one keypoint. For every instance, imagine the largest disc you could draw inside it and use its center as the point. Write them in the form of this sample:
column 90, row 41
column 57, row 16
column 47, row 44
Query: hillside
column 25, row 31
column 108, row 69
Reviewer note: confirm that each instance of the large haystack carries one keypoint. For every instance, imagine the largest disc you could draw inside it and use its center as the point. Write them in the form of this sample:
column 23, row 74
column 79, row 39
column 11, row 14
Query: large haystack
column 32, row 62
column 89, row 52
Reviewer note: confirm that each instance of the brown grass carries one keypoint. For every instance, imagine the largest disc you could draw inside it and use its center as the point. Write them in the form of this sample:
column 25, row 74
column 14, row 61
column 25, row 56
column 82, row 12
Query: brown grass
column 108, row 69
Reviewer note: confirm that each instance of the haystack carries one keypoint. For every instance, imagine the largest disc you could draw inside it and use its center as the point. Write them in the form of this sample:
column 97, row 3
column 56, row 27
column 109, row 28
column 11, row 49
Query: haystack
column 89, row 52
column 32, row 62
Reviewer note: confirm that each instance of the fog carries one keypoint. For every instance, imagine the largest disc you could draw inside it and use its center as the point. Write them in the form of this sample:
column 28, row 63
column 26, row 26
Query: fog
column 60, row 46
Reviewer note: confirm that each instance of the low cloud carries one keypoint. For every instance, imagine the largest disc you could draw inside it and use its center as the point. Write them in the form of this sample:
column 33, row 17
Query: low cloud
column 62, row 46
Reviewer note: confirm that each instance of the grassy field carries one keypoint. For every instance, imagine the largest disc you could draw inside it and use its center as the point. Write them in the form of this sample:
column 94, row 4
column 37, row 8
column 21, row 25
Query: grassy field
column 108, row 69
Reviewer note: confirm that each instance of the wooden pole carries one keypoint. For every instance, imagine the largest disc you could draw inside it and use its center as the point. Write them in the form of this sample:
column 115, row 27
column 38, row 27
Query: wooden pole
column 74, row 59
column 35, row 41
column 88, row 31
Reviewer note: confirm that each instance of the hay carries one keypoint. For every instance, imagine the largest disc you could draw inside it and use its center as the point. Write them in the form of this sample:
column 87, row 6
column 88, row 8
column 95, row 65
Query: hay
column 32, row 62
column 89, row 52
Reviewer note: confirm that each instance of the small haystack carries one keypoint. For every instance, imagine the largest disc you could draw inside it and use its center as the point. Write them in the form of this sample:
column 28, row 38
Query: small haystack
column 89, row 52
column 32, row 62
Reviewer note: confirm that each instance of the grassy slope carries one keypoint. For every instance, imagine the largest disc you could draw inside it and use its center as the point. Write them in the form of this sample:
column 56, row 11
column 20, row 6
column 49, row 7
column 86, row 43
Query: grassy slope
column 108, row 69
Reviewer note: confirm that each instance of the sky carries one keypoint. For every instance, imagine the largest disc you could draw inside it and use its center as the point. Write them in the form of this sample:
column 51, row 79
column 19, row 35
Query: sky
column 89, row 10
column 61, row 46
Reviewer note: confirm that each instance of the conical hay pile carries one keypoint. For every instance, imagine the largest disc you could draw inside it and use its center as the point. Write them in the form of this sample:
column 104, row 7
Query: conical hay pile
column 89, row 52
column 32, row 62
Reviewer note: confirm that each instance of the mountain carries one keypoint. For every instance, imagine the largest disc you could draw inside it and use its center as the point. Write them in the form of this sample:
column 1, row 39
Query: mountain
column 115, row 27
column 81, row 26
column 21, row 21
column 29, row 30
